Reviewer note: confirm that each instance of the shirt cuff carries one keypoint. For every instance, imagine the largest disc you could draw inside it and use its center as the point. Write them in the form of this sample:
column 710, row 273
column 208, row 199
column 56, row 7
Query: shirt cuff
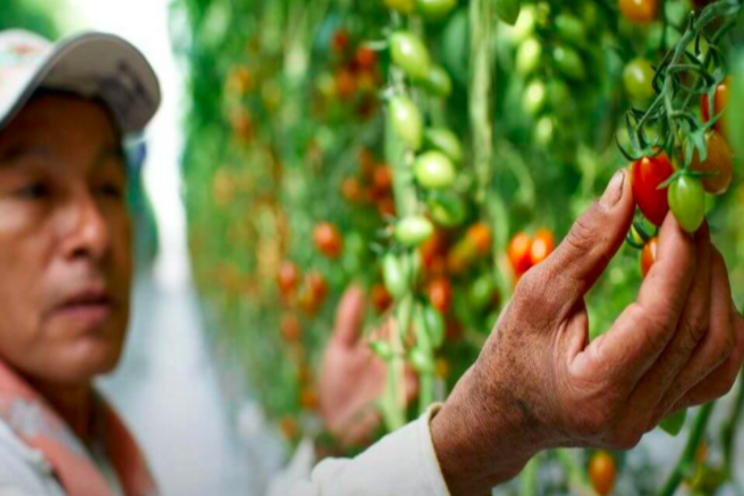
column 402, row 463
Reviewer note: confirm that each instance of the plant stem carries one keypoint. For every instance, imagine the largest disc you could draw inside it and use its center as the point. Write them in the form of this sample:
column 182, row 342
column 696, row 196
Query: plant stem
column 688, row 455
column 728, row 432
column 480, row 91
column 529, row 477
column 576, row 476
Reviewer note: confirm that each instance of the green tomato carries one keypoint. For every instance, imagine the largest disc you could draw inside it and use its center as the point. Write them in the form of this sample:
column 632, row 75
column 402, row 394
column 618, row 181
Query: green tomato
column 433, row 170
column 394, row 276
column 525, row 25
column 406, row 121
column 410, row 54
column 455, row 45
column 558, row 93
column 434, row 325
column 673, row 424
column 638, row 78
column 413, row 230
column 439, row 82
column 422, row 361
column 534, row 98
column 545, row 130
column 482, row 291
column 687, row 202
column 569, row 62
column 402, row 6
column 570, row 28
column 435, row 10
column 508, row 10
column 447, row 208
column 445, row 141
column 529, row 55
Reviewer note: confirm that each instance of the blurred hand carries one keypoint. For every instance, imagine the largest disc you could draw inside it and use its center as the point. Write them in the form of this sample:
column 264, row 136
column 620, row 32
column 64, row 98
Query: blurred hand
column 540, row 384
column 352, row 378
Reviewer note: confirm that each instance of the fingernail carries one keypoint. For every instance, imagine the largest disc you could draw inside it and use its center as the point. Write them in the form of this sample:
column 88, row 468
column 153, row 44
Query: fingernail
column 614, row 190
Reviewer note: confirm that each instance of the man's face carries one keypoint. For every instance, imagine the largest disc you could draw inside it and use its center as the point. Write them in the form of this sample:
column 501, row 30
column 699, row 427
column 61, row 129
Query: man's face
column 65, row 251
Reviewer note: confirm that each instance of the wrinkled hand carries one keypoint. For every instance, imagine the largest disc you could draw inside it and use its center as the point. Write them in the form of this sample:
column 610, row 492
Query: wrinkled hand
column 352, row 378
column 540, row 384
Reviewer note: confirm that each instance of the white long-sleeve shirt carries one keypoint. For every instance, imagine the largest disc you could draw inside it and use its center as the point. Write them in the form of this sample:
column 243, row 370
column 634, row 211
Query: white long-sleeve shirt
column 403, row 463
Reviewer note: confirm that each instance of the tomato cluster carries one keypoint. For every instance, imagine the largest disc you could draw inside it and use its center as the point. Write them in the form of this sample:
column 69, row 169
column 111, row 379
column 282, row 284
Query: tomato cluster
column 526, row 252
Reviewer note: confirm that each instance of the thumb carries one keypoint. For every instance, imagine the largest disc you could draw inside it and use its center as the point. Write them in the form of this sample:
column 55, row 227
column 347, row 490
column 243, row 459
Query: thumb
column 349, row 317
column 593, row 241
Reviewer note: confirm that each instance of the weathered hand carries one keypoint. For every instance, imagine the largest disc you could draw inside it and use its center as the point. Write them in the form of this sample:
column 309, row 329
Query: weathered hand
column 352, row 378
column 539, row 383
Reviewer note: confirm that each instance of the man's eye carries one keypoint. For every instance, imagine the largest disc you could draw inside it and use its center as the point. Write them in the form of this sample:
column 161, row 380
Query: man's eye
column 35, row 191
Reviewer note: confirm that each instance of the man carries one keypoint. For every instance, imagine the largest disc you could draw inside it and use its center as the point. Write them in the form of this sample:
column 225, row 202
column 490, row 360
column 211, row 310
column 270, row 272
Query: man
column 65, row 259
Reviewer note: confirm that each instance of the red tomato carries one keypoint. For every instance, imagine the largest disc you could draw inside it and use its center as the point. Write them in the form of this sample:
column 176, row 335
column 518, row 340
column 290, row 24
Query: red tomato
column 386, row 207
column 639, row 11
column 440, row 294
column 328, row 240
column 288, row 277
column 340, row 41
column 542, row 246
column 602, row 472
column 433, row 248
column 381, row 298
column 366, row 58
column 291, row 328
column 721, row 101
column 647, row 174
column 648, row 256
column 520, row 248
column 479, row 235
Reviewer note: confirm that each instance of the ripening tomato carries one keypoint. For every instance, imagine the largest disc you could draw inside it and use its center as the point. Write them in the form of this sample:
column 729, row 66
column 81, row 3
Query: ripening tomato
column 519, row 253
column 602, row 472
column 353, row 191
column 410, row 54
column 309, row 399
column 648, row 256
column 406, row 121
column 433, row 248
column 288, row 277
column 328, row 240
column 382, row 178
column 381, row 298
column 291, row 328
column 719, row 163
column 647, row 174
column 719, row 105
column 317, row 285
column 386, row 207
column 413, row 230
column 479, row 235
column 687, row 202
column 434, row 170
column 639, row 11
column 346, row 84
column 440, row 294
column 638, row 77
column 542, row 246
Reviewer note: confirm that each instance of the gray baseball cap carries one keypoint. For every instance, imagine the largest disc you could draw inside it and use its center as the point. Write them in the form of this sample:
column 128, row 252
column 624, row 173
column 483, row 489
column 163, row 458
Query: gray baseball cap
column 92, row 65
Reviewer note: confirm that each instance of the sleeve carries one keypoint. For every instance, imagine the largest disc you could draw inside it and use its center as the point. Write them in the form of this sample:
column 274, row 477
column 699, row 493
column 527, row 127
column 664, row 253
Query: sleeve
column 23, row 472
column 403, row 463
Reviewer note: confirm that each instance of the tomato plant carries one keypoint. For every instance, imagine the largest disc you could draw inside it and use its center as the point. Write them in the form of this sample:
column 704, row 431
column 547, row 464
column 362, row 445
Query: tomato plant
column 687, row 202
column 648, row 174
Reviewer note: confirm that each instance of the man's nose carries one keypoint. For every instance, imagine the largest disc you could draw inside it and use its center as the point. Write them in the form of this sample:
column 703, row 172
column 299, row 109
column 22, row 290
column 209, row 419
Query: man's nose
column 87, row 232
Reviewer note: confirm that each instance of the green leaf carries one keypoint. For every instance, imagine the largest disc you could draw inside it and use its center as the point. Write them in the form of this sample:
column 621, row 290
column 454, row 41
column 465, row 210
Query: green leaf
column 673, row 424
column 508, row 10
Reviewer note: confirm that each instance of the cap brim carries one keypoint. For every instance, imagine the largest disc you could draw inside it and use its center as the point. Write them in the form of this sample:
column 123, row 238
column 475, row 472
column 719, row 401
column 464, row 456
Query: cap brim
column 99, row 66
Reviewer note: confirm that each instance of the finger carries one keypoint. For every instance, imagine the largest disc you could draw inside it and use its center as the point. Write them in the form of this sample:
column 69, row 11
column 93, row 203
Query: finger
column 656, row 385
column 349, row 317
column 720, row 381
column 639, row 336
column 590, row 245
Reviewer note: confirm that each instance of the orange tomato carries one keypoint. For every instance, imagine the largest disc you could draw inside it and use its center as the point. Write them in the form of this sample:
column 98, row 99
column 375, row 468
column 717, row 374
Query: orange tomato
column 433, row 248
column 542, row 246
column 291, row 328
column 288, row 277
column 639, row 11
column 383, row 178
column 719, row 105
column 328, row 240
column 719, row 163
column 648, row 256
column 288, row 427
column 519, row 252
column 365, row 58
column 317, row 285
column 353, row 191
column 309, row 399
column 440, row 294
column 346, row 84
column 480, row 237
column 602, row 472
